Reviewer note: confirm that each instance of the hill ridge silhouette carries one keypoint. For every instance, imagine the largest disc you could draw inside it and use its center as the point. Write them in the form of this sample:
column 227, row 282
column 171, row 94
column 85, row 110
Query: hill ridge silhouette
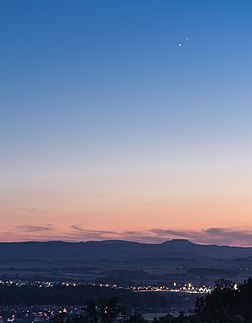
column 116, row 249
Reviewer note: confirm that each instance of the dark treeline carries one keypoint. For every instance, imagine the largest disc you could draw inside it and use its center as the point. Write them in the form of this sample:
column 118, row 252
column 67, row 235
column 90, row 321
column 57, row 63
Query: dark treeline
column 103, row 311
column 227, row 303
column 80, row 295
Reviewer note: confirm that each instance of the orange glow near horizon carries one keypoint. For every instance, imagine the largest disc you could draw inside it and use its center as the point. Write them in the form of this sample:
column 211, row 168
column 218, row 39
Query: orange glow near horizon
column 126, row 217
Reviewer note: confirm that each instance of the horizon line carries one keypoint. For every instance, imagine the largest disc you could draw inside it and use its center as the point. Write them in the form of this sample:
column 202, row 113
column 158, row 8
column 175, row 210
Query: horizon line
column 122, row 240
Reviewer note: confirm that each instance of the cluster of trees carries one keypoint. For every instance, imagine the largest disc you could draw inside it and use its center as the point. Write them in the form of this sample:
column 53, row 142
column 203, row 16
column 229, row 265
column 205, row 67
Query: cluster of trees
column 227, row 303
column 105, row 311
column 78, row 295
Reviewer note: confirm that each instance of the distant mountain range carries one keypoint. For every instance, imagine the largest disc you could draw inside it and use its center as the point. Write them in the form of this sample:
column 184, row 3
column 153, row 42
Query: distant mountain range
column 117, row 250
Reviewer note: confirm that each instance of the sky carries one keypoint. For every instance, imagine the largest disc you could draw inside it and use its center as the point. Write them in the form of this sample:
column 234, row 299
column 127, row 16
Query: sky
column 126, row 120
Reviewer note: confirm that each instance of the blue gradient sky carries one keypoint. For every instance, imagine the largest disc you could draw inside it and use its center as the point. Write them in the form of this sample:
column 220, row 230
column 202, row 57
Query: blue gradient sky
column 108, row 125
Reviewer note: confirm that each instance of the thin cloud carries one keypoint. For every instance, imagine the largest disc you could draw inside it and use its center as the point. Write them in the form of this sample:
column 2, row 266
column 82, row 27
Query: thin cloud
column 34, row 228
column 87, row 234
column 31, row 210
column 176, row 233
column 77, row 227
column 233, row 235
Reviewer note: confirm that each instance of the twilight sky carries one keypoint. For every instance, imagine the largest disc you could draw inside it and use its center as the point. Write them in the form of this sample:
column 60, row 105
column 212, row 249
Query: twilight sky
column 126, row 120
